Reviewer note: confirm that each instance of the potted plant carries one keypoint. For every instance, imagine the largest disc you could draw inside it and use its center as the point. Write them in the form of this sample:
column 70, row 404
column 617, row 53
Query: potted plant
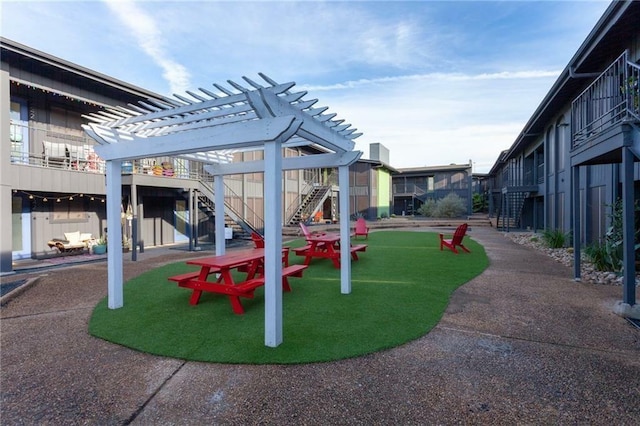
column 125, row 244
column 101, row 246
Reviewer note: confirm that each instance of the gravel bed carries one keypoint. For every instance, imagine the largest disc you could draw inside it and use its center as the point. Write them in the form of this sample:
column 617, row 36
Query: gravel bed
column 565, row 256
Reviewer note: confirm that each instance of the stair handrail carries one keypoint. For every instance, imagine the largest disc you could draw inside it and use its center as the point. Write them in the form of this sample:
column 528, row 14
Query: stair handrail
column 294, row 207
column 257, row 225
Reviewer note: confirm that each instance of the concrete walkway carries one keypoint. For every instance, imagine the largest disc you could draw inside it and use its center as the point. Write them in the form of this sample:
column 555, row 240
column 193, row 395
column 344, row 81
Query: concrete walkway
column 521, row 344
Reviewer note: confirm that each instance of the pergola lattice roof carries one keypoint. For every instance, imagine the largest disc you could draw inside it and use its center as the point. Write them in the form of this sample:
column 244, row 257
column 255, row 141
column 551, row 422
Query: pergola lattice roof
column 221, row 123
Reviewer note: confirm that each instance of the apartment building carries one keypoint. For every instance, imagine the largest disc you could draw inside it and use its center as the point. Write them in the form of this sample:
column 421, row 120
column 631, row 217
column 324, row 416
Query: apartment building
column 578, row 153
column 52, row 181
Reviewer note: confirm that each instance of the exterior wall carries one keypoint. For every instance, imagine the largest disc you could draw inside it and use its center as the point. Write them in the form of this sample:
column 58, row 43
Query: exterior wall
column 360, row 191
column 548, row 157
column 384, row 195
column 413, row 187
column 7, row 217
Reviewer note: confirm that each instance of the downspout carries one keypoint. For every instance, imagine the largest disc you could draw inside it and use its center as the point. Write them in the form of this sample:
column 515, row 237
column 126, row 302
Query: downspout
column 545, row 170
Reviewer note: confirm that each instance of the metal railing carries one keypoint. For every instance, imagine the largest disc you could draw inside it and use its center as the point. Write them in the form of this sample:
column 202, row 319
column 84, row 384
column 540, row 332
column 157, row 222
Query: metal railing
column 49, row 146
column 609, row 100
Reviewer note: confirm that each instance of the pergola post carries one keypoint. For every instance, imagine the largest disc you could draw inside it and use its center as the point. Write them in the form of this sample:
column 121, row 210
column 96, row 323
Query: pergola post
column 273, row 243
column 628, row 202
column 575, row 188
column 218, row 195
column 114, row 234
column 345, row 231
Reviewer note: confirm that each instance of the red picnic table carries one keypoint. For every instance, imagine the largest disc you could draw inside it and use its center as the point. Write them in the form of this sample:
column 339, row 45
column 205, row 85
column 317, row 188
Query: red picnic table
column 326, row 246
column 250, row 261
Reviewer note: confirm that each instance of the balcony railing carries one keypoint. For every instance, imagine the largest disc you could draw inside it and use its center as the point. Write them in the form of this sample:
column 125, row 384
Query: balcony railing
column 611, row 99
column 49, row 146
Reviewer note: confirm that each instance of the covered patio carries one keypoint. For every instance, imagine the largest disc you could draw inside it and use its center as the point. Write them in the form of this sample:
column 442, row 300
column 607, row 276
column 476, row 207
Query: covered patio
column 209, row 127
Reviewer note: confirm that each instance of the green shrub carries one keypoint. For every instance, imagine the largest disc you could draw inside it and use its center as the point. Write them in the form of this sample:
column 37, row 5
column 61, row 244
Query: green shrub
column 598, row 255
column 479, row 203
column 607, row 255
column 428, row 208
column 450, row 206
column 554, row 238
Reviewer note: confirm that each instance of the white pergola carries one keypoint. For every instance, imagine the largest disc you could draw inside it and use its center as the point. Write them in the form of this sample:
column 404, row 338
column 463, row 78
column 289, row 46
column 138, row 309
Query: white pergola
column 209, row 127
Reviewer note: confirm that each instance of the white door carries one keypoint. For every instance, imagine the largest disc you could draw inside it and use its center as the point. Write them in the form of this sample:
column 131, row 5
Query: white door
column 21, row 229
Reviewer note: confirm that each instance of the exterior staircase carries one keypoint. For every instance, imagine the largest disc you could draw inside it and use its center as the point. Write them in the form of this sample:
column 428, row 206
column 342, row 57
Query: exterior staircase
column 241, row 228
column 310, row 204
column 511, row 211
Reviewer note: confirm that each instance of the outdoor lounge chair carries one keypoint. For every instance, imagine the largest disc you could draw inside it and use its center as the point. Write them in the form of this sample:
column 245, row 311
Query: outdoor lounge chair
column 55, row 154
column 73, row 242
column 361, row 228
column 456, row 240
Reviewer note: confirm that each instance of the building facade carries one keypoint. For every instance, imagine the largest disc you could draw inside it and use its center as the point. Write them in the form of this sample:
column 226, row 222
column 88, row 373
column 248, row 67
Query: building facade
column 412, row 187
column 576, row 160
column 53, row 182
column 585, row 120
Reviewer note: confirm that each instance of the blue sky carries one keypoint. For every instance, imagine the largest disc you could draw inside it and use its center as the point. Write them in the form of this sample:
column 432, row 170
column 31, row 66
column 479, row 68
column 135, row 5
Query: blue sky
column 436, row 82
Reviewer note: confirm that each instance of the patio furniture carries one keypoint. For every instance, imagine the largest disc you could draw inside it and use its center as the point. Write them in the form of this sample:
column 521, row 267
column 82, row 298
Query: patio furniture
column 288, row 270
column 326, row 246
column 306, row 232
column 361, row 228
column 456, row 240
column 73, row 242
column 55, row 154
column 257, row 240
column 251, row 261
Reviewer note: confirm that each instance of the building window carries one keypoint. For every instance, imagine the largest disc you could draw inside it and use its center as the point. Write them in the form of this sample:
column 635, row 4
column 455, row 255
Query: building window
column 458, row 181
column 552, row 152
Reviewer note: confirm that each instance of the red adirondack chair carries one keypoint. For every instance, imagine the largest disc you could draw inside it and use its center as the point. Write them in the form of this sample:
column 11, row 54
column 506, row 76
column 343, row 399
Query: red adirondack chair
column 361, row 228
column 456, row 240
column 257, row 240
column 306, row 232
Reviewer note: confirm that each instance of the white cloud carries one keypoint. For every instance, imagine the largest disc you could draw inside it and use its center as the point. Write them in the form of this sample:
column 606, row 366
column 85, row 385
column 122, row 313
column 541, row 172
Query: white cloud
column 150, row 39
column 437, row 119
column 443, row 77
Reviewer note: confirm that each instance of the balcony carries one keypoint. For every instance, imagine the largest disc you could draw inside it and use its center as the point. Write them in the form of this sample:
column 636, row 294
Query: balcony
column 601, row 111
column 55, row 147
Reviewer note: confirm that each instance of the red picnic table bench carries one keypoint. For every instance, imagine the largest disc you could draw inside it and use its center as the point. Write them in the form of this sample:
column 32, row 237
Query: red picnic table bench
column 326, row 246
column 249, row 261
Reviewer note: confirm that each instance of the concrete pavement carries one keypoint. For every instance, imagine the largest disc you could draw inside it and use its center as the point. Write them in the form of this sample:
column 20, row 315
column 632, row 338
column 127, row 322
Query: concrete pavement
column 520, row 344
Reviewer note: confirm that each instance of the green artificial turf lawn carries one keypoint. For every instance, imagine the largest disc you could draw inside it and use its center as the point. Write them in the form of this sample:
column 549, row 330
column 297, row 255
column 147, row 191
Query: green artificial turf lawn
column 400, row 288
